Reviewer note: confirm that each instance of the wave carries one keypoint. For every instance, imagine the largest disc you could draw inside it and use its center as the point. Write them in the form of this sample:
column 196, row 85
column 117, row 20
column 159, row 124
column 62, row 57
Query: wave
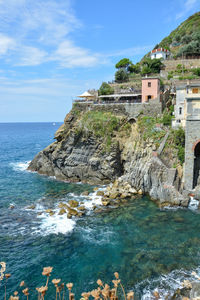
column 164, row 285
column 20, row 166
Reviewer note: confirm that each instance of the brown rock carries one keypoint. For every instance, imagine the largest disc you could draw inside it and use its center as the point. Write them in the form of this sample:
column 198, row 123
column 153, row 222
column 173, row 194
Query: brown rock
column 105, row 203
column 81, row 208
column 73, row 203
column 114, row 195
column 72, row 211
column 48, row 211
column 62, row 212
column 31, row 207
column 100, row 193
column 62, row 205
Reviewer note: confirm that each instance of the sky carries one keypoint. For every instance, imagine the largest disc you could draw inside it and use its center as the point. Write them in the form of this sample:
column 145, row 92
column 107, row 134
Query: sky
column 53, row 50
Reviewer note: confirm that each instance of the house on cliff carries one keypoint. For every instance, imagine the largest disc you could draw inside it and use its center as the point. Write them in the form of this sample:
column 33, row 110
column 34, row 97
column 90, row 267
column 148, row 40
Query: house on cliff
column 160, row 53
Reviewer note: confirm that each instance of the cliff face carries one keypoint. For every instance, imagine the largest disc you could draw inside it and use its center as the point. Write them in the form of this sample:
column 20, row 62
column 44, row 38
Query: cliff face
column 100, row 148
column 76, row 157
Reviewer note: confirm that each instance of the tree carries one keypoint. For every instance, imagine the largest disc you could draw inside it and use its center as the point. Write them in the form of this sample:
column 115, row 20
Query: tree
column 151, row 65
column 121, row 75
column 134, row 68
column 105, row 89
column 123, row 63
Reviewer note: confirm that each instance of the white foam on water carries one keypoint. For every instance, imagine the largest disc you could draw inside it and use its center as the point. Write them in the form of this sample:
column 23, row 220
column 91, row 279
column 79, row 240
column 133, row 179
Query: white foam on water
column 20, row 166
column 165, row 285
column 55, row 224
column 193, row 204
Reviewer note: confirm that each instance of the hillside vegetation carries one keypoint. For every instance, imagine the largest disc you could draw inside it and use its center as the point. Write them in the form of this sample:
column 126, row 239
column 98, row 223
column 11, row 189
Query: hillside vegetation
column 185, row 39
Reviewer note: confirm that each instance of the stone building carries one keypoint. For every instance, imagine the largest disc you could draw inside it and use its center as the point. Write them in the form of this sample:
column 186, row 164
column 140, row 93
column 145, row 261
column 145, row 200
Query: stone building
column 183, row 92
column 192, row 143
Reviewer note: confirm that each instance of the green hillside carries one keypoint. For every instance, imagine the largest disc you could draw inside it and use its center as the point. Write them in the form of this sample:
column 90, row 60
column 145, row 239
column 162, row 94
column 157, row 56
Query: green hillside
column 185, row 39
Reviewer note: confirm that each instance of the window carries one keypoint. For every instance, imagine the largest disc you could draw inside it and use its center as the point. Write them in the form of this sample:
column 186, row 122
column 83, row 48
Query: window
column 180, row 110
column 195, row 91
column 149, row 84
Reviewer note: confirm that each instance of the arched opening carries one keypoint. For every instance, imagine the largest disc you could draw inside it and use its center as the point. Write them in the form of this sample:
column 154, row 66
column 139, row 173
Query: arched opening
column 196, row 177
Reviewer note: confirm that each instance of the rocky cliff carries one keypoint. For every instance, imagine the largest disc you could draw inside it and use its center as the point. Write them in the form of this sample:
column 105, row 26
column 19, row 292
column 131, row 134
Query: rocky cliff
column 101, row 148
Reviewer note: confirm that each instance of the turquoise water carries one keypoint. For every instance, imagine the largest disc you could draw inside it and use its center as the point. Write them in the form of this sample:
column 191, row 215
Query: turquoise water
column 149, row 247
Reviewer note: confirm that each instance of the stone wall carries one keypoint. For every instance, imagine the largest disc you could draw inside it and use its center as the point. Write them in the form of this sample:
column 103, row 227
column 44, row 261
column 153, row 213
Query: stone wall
column 192, row 136
column 131, row 110
column 171, row 65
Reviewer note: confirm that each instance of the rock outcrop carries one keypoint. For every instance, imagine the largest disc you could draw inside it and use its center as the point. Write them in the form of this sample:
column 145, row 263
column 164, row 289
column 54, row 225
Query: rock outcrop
column 131, row 165
column 74, row 157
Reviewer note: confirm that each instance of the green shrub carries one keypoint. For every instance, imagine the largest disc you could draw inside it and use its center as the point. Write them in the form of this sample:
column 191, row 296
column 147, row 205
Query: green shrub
column 167, row 119
column 101, row 124
column 121, row 75
column 105, row 89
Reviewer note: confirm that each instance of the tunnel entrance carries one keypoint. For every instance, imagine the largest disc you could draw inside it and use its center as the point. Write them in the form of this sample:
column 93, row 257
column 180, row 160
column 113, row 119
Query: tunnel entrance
column 196, row 176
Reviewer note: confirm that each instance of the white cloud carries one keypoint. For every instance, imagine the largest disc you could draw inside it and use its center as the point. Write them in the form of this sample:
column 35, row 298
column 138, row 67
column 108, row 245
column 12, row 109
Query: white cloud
column 6, row 44
column 31, row 56
column 70, row 55
column 186, row 7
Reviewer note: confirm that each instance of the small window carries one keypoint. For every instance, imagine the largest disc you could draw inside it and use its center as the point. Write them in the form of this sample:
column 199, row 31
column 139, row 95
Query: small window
column 195, row 91
column 180, row 110
column 149, row 84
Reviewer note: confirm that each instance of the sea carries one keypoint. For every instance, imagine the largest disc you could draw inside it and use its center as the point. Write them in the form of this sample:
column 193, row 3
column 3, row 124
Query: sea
column 152, row 249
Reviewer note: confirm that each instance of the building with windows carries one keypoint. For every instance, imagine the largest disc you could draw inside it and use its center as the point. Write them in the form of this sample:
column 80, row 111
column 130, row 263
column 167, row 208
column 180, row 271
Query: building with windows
column 160, row 53
column 150, row 89
column 183, row 94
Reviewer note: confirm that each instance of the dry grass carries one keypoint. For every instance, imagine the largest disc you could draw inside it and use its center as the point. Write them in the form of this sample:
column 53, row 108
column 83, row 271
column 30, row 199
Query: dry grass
column 64, row 290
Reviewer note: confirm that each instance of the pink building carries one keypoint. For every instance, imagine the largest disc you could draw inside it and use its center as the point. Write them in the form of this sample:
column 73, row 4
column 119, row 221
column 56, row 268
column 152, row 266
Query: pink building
column 150, row 89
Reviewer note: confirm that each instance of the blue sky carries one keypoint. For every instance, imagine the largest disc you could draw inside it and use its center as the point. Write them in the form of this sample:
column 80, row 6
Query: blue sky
column 53, row 50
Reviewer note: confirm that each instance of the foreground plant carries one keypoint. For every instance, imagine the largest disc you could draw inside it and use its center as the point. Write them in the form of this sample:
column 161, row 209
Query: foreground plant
column 103, row 291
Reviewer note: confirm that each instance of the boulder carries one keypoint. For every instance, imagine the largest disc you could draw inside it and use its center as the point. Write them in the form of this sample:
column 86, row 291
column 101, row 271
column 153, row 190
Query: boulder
column 31, row 206
column 100, row 193
column 81, row 208
column 114, row 195
column 86, row 193
column 62, row 205
column 62, row 211
column 73, row 203
column 72, row 211
column 49, row 210
column 132, row 191
column 105, row 203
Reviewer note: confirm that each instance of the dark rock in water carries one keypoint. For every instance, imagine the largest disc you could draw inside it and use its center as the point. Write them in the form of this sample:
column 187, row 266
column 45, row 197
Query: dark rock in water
column 11, row 207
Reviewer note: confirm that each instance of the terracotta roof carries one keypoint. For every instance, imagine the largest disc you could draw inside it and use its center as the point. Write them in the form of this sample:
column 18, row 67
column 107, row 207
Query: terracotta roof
column 159, row 50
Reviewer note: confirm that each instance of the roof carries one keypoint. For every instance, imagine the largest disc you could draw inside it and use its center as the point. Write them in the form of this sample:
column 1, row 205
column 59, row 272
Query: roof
column 160, row 50
column 150, row 78
column 86, row 94
column 119, row 95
